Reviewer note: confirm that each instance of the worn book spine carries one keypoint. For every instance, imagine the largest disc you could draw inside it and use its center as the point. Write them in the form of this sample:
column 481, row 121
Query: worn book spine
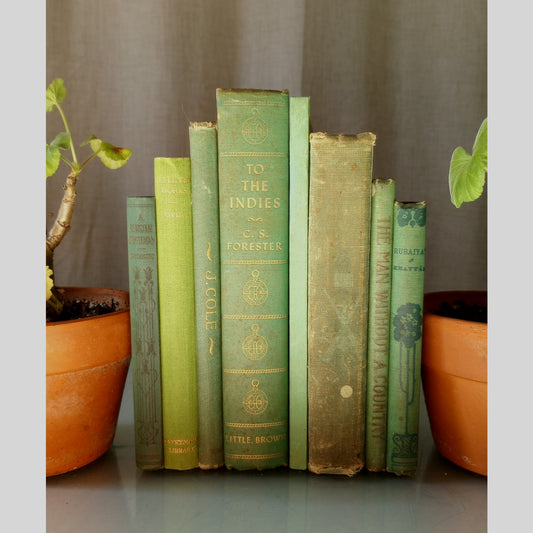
column 298, row 217
column 253, row 149
column 339, row 245
column 405, row 345
column 172, row 185
column 144, row 322
column 204, row 178
column 379, row 287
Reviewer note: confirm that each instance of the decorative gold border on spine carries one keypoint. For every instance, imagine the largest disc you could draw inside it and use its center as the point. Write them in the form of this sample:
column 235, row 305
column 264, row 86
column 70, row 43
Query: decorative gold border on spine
column 266, row 456
column 256, row 262
column 253, row 317
column 265, row 425
column 258, row 371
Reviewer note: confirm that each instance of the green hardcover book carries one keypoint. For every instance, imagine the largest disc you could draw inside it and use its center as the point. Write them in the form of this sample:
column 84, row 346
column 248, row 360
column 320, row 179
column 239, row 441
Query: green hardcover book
column 405, row 345
column 144, row 322
column 253, row 149
column 298, row 216
column 339, row 244
column 172, row 185
column 379, row 287
column 204, row 178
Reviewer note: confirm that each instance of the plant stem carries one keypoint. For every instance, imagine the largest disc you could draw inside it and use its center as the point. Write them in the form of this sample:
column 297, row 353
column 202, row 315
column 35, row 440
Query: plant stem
column 64, row 216
column 67, row 129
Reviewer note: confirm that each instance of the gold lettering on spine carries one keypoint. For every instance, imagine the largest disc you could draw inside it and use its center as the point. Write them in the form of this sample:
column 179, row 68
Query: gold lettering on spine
column 210, row 303
column 180, row 446
column 379, row 407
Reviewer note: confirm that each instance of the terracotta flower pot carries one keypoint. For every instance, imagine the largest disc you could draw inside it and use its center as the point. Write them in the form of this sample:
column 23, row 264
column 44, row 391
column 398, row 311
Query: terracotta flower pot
column 87, row 363
column 454, row 378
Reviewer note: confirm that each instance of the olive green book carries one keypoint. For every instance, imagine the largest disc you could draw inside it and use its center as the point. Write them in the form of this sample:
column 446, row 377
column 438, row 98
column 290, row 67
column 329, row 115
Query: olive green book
column 339, row 247
column 172, row 185
column 204, row 178
column 298, row 217
column 405, row 344
column 144, row 322
column 379, row 286
column 253, row 159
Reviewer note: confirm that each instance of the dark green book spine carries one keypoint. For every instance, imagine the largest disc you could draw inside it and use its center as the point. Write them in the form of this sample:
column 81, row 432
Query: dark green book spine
column 204, row 183
column 253, row 144
column 405, row 344
column 339, row 247
column 383, row 196
column 298, row 217
column 144, row 321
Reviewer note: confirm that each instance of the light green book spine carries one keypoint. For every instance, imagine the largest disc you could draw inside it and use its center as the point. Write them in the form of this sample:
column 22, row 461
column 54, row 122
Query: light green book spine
column 405, row 345
column 144, row 322
column 204, row 177
column 253, row 143
column 383, row 196
column 339, row 247
column 298, row 217
column 172, row 185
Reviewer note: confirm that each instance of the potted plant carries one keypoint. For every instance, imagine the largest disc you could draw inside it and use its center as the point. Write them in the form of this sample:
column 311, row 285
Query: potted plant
column 454, row 348
column 88, row 346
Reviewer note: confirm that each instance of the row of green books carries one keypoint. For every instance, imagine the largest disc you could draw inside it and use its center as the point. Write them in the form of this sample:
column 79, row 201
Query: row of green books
column 276, row 294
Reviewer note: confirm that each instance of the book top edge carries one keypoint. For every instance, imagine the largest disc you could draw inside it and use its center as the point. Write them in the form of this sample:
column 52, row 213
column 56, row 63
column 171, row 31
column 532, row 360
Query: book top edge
column 341, row 137
column 162, row 159
column 171, row 165
column 201, row 125
column 419, row 204
column 252, row 91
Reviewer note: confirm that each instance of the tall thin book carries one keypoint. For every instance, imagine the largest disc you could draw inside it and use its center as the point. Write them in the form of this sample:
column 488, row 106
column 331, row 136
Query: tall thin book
column 144, row 322
column 204, row 177
column 298, row 217
column 383, row 196
column 172, row 185
column 339, row 246
column 405, row 349
column 253, row 149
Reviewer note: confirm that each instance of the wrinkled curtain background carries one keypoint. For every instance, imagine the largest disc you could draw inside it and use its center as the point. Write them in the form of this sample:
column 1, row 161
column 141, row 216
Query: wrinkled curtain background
column 414, row 72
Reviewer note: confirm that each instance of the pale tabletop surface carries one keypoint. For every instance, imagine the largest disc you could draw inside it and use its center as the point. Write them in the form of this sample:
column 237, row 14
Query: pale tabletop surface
column 112, row 495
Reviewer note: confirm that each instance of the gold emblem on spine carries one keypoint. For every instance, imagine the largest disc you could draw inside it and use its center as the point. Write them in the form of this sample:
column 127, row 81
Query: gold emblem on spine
column 255, row 346
column 255, row 292
column 255, row 129
column 256, row 401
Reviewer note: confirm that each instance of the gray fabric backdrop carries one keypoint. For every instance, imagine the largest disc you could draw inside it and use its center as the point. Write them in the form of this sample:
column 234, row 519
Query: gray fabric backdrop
column 414, row 72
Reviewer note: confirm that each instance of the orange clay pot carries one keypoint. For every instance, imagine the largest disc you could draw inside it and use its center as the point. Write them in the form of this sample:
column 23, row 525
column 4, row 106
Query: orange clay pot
column 87, row 362
column 454, row 377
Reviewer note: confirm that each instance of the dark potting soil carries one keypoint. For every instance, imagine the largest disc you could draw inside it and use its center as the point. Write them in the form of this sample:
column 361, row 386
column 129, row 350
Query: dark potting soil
column 77, row 308
column 463, row 311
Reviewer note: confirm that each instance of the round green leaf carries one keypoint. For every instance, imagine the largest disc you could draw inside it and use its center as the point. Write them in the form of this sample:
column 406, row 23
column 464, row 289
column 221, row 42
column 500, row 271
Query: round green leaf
column 52, row 160
column 468, row 172
column 62, row 141
column 55, row 94
column 111, row 156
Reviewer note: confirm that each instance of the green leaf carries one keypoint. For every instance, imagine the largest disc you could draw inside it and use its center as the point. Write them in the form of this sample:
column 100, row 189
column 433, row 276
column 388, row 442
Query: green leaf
column 55, row 94
column 52, row 160
column 62, row 141
column 110, row 155
column 467, row 172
